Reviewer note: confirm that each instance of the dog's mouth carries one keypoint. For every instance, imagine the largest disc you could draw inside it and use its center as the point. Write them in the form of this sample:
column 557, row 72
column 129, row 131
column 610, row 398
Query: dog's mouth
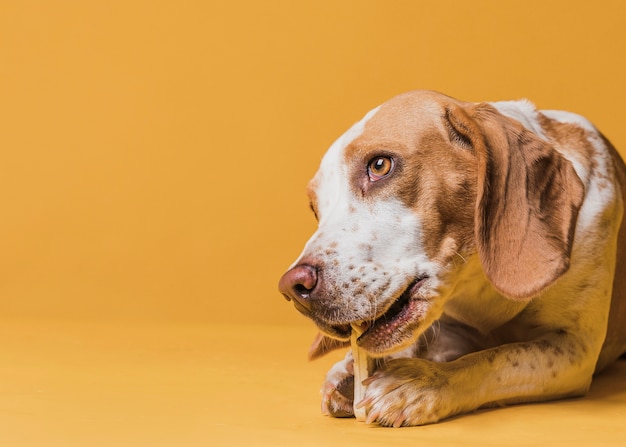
column 389, row 328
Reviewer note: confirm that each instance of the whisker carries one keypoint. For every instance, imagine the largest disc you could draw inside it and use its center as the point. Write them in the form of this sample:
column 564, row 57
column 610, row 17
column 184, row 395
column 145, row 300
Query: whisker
column 461, row 256
column 431, row 335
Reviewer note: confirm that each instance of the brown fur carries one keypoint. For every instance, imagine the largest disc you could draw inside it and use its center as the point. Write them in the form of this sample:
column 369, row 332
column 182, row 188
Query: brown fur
column 529, row 198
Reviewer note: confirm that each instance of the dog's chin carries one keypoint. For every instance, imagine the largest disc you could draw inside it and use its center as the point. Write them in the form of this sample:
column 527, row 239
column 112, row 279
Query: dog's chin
column 393, row 329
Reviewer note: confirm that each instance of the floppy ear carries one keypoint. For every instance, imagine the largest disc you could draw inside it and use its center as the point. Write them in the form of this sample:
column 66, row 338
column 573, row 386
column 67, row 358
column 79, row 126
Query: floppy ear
column 322, row 345
column 528, row 201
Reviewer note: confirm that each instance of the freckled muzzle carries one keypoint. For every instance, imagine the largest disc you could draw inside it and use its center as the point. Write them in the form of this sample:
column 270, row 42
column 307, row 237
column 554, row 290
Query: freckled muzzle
column 303, row 285
column 384, row 330
column 398, row 323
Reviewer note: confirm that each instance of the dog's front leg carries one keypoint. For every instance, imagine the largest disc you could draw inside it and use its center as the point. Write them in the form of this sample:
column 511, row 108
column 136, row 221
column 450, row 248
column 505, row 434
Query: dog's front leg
column 417, row 391
column 338, row 389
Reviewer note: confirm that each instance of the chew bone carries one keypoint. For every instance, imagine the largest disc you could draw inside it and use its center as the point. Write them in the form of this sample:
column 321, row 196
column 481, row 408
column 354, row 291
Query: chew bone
column 362, row 370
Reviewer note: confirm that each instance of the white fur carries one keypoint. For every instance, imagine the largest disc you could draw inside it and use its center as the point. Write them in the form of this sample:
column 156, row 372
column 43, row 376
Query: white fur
column 523, row 111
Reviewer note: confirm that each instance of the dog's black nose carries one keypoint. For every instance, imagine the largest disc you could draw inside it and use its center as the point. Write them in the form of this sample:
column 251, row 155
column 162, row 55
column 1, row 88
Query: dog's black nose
column 298, row 284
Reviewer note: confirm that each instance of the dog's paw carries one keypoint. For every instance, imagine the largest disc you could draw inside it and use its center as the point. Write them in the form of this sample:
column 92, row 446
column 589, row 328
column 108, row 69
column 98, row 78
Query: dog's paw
column 338, row 389
column 407, row 392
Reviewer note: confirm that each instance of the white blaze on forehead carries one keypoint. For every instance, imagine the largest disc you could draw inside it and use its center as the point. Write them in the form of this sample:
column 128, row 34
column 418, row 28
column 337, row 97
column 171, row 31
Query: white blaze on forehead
column 369, row 250
column 332, row 177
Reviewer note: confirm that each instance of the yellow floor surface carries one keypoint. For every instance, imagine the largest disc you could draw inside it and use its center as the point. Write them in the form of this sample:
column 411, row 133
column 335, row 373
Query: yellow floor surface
column 77, row 383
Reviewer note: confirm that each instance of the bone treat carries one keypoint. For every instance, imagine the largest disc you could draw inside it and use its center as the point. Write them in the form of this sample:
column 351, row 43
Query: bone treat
column 362, row 370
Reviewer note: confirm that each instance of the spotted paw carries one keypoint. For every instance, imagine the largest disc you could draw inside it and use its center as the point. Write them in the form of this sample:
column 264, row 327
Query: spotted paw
column 407, row 392
column 338, row 389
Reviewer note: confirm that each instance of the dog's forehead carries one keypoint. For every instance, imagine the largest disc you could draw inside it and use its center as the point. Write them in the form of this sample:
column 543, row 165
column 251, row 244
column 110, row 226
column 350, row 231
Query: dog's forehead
column 328, row 187
column 398, row 122
column 399, row 125
column 405, row 116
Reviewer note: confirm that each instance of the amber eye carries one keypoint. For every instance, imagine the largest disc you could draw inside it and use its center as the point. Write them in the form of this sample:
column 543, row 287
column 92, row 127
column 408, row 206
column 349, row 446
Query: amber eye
column 379, row 167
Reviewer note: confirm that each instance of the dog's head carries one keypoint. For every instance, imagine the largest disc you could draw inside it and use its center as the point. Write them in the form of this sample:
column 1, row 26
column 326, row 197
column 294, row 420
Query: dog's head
column 407, row 195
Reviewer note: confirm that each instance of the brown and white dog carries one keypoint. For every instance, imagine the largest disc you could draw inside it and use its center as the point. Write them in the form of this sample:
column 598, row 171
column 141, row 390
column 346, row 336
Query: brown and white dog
column 477, row 245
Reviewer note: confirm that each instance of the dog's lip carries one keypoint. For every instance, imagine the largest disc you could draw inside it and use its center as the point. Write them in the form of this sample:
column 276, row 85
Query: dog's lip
column 338, row 331
column 401, row 312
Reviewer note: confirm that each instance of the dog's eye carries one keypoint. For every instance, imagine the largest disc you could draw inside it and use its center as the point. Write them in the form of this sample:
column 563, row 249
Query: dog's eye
column 379, row 167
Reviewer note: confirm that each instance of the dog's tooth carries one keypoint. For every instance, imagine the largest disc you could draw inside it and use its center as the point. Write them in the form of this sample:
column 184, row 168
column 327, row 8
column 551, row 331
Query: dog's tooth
column 360, row 326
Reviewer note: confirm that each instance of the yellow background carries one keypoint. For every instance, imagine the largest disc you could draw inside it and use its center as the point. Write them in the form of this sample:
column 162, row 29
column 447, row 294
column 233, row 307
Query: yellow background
column 154, row 154
column 153, row 163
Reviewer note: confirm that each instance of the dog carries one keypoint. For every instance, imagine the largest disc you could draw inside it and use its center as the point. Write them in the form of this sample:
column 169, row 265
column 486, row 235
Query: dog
column 479, row 246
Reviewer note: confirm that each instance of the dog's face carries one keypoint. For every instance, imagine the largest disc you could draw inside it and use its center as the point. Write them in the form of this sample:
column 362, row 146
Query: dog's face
column 396, row 198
